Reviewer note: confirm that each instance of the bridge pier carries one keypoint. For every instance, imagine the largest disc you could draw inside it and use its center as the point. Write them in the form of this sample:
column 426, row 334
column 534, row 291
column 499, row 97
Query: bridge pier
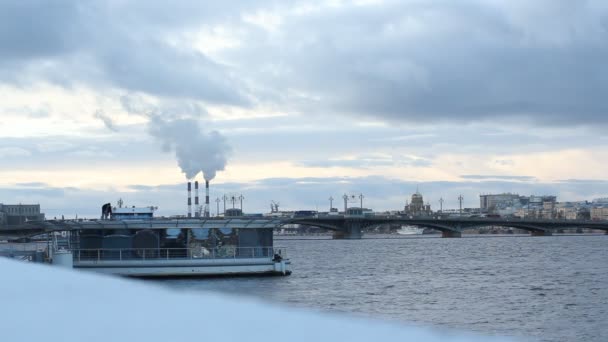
column 450, row 234
column 541, row 233
column 351, row 231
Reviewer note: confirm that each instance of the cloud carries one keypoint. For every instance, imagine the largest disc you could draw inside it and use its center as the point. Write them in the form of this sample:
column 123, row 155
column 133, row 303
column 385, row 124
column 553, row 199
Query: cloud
column 34, row 194
column 168, row 109
column 584, row 181
column 32, row 185
column 72, row 42
column 107, row 121
column 54, row 145
column 139, row 187
column 365, row 162
column 432, row 61
column 53, row 33
column 34, row 112
column 90, row 153
column 504, row 162
column 14, row 152
column 499, row 177
column 406, row 61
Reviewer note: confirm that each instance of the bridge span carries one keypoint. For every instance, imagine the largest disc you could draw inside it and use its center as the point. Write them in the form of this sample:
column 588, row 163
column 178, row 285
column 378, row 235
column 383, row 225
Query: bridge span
column 344, row 227
column 352, row 227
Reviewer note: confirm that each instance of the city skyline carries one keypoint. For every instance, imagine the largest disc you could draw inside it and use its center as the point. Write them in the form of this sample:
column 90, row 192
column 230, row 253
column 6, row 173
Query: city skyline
column 100, row 101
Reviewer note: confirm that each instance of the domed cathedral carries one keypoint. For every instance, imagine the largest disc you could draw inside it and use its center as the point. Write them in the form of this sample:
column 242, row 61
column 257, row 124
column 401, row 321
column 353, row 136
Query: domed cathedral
column 417, row 207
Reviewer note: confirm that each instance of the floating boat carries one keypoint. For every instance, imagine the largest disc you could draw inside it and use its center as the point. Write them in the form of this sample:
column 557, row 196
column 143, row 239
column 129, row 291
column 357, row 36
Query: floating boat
column 131, row 242
column 410, row 230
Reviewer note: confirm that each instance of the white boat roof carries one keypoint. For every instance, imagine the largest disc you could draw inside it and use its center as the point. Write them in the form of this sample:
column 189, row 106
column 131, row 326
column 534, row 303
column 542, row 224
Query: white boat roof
column 133, row 210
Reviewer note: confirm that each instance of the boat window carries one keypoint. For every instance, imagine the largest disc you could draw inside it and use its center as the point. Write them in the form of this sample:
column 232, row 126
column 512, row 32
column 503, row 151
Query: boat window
column 226, row 231
column 173, row 233
column 200, row 233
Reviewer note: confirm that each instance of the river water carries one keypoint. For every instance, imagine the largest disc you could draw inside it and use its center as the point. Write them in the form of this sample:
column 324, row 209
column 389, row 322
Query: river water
column 533, row 288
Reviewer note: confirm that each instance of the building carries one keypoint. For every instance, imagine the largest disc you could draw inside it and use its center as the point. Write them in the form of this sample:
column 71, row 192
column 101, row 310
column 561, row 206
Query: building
column 359, row 212
column 466, row 212
column 550, row 209
column 572, row 210
column 599, row 209
column 490, row 203
column 417, row 207
column 599, row 213
column 233, row 212
column 508, row 204
column 600, row 201
column 15, row 214
column 540, row 200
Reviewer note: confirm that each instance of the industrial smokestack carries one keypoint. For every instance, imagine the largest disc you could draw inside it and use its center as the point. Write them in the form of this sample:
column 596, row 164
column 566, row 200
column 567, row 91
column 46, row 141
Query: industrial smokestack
column 196, row 204
column 207, row 198
column 189, row 199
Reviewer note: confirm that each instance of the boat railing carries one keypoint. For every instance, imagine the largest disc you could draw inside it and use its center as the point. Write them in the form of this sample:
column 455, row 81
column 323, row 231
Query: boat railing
column 28, row 251
column 23, row 247
column 119, row 254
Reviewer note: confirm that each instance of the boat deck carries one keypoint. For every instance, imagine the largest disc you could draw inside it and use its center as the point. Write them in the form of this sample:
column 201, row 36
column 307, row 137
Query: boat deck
column 178, row 262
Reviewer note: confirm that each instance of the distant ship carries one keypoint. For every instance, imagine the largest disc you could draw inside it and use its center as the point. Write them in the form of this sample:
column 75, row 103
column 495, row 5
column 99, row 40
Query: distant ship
column 410, row 230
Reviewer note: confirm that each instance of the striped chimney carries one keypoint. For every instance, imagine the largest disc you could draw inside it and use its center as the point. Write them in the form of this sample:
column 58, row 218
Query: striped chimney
column 189, row 199
column 206, row 198
column 196, row 204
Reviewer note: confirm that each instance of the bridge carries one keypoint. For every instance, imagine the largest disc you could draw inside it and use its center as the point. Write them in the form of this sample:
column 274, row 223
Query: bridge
column 34, row 228
column 352, row 227
column 343, row 227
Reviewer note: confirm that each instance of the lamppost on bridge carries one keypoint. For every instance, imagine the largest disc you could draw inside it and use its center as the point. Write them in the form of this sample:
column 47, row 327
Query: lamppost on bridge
column 361, row 198
column 225, row 198
column 233, row 199
column 241, row 198
column 331, row 203
column 460, row 198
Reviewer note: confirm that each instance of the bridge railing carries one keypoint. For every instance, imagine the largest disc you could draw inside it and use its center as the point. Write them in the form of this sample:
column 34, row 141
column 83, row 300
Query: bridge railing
column 503, row 219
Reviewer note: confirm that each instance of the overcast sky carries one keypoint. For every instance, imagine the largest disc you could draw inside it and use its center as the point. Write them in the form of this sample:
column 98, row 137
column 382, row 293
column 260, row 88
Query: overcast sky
column 297, row 101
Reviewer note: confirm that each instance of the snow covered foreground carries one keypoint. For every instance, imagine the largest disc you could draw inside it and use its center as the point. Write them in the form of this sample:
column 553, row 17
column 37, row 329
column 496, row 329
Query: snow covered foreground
column 45, row 303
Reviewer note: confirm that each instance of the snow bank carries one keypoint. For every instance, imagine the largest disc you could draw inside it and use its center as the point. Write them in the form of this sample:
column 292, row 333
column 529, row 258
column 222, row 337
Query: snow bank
column 45, row 303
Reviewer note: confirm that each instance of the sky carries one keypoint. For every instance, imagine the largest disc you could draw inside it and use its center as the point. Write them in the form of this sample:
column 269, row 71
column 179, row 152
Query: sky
column 297, row 101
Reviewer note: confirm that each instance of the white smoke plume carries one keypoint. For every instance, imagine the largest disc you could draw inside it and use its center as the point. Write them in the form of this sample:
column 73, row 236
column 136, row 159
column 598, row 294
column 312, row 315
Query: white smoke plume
column 196, row 150
column 176, row 124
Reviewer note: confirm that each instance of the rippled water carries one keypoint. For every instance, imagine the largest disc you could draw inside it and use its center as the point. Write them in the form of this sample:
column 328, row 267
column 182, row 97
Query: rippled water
column 543, row 288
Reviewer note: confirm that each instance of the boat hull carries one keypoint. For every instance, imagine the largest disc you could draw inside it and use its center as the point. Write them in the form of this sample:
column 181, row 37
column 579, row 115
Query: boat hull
column 188, row 268
column 407, row 230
